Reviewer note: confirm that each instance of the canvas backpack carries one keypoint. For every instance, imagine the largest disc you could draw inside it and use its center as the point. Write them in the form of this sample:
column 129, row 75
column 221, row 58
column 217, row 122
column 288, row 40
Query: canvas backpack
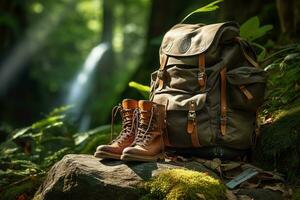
column 211, row 85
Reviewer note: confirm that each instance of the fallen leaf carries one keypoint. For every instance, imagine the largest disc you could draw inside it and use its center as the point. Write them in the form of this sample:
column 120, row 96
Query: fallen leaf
column 244, row 197
column 278, row 187
column 249, row 185
column 230, row 166
column 181, row 158
column 230, row 195
column 22, row 197
column 267, row 175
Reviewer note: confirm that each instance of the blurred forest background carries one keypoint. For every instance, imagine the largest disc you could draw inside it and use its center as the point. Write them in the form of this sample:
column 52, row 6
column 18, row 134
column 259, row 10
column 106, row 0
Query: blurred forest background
column 64, row 65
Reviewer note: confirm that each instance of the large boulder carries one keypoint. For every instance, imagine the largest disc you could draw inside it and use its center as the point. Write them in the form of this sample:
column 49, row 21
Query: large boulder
column 86, row 177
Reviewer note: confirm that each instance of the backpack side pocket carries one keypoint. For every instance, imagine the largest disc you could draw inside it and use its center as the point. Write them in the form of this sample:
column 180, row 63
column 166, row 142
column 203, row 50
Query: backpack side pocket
column 246, row 88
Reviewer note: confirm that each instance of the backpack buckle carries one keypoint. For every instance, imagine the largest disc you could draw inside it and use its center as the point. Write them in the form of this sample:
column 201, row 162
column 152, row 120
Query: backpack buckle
column 192, row 111
column 223, row 120
column 201, row 79
column 160, row 74
column 191, row 115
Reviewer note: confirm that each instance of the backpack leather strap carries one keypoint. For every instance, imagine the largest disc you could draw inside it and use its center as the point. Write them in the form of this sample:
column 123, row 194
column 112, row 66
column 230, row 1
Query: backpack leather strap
column 192, row 124
column 161, row 71
column 223, row 101
column 201, row 73
column 246, row 92
column 249, row 59
column 165, row 132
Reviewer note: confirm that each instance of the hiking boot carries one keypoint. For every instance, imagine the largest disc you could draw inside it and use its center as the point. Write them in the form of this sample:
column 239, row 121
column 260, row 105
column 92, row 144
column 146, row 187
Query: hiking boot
column 148, row 144
column 128, row 111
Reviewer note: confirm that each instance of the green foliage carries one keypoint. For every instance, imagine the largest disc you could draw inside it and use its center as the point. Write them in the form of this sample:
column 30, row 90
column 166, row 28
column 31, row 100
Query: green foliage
column 87, row 142
column 9, row 21
column 280, row 139
column 28, row 153
column 183, row 184
column 296, row 194
column 143, row 89
column 207, row 8
column 284, row 78
column 251, row 30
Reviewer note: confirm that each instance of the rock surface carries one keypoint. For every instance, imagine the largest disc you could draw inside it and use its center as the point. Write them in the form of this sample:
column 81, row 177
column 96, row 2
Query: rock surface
column 86, row 177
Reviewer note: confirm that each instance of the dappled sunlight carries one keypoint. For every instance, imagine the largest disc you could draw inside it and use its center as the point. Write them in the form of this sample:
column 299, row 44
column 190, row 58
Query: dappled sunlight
column 66, row 65
column 33, row 41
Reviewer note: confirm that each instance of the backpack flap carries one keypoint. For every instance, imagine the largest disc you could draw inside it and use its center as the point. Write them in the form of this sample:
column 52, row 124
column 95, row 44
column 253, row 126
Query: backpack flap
column 193, row 45
column 184, row 42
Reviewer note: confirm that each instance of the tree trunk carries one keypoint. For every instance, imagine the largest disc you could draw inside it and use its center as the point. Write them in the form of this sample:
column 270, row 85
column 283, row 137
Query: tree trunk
column 108, row 21
column 289, row 15
column 12, row 25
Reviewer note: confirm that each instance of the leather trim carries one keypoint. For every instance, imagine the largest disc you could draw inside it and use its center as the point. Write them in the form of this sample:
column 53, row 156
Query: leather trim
column 246, row 92
column 249, row 58
column 192, row 124
column 161, row 71
column 165, row 130
column 223, row 100
column 201, row 73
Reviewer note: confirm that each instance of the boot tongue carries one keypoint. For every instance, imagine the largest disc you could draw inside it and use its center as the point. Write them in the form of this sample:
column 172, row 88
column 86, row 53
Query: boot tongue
column 129, row 103
column 145, row 105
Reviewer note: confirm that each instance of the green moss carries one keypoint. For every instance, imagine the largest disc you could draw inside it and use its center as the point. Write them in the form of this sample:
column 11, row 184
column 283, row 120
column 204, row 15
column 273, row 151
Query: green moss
column 183, row 184
column 296, row 194
column 280, row 139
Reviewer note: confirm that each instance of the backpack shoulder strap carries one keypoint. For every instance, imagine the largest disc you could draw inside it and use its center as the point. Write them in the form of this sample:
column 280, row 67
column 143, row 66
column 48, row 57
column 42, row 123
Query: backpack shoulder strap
column 243, row 44
column 161, row 71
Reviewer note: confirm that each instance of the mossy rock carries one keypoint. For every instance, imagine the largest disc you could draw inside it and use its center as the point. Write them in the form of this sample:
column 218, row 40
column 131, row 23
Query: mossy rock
column 183, row 184
column 279, row 145
column 296, row 194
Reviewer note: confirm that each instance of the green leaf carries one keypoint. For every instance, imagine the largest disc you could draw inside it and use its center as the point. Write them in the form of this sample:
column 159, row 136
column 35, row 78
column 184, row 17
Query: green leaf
column 60, row 110
column 82, row 137
column 143, row 89
column 48, row 122
column 207, row 8
column 251, row 30
column 140, row 87
column 21, row 132
column 248, row 29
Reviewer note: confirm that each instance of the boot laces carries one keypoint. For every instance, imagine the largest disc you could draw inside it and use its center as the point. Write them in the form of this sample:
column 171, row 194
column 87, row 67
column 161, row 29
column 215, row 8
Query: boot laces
column 128, row 118
column 146, row 124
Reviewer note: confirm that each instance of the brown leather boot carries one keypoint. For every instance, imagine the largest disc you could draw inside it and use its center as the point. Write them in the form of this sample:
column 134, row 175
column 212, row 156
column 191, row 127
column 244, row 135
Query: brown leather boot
column 148, row 144
column 114, row 150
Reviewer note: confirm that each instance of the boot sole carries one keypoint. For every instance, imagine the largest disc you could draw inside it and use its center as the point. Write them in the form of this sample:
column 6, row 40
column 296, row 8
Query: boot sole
column 103, row 154
column 130, row 157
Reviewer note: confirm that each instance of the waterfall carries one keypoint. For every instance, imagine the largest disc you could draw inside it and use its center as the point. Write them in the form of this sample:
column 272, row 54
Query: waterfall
column 79, row 88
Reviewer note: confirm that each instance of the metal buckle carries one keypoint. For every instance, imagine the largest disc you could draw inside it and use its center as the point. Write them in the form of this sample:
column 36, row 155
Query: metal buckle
column 223, row 119
column 160, row 74
column 201, row 75
column 191, row 115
